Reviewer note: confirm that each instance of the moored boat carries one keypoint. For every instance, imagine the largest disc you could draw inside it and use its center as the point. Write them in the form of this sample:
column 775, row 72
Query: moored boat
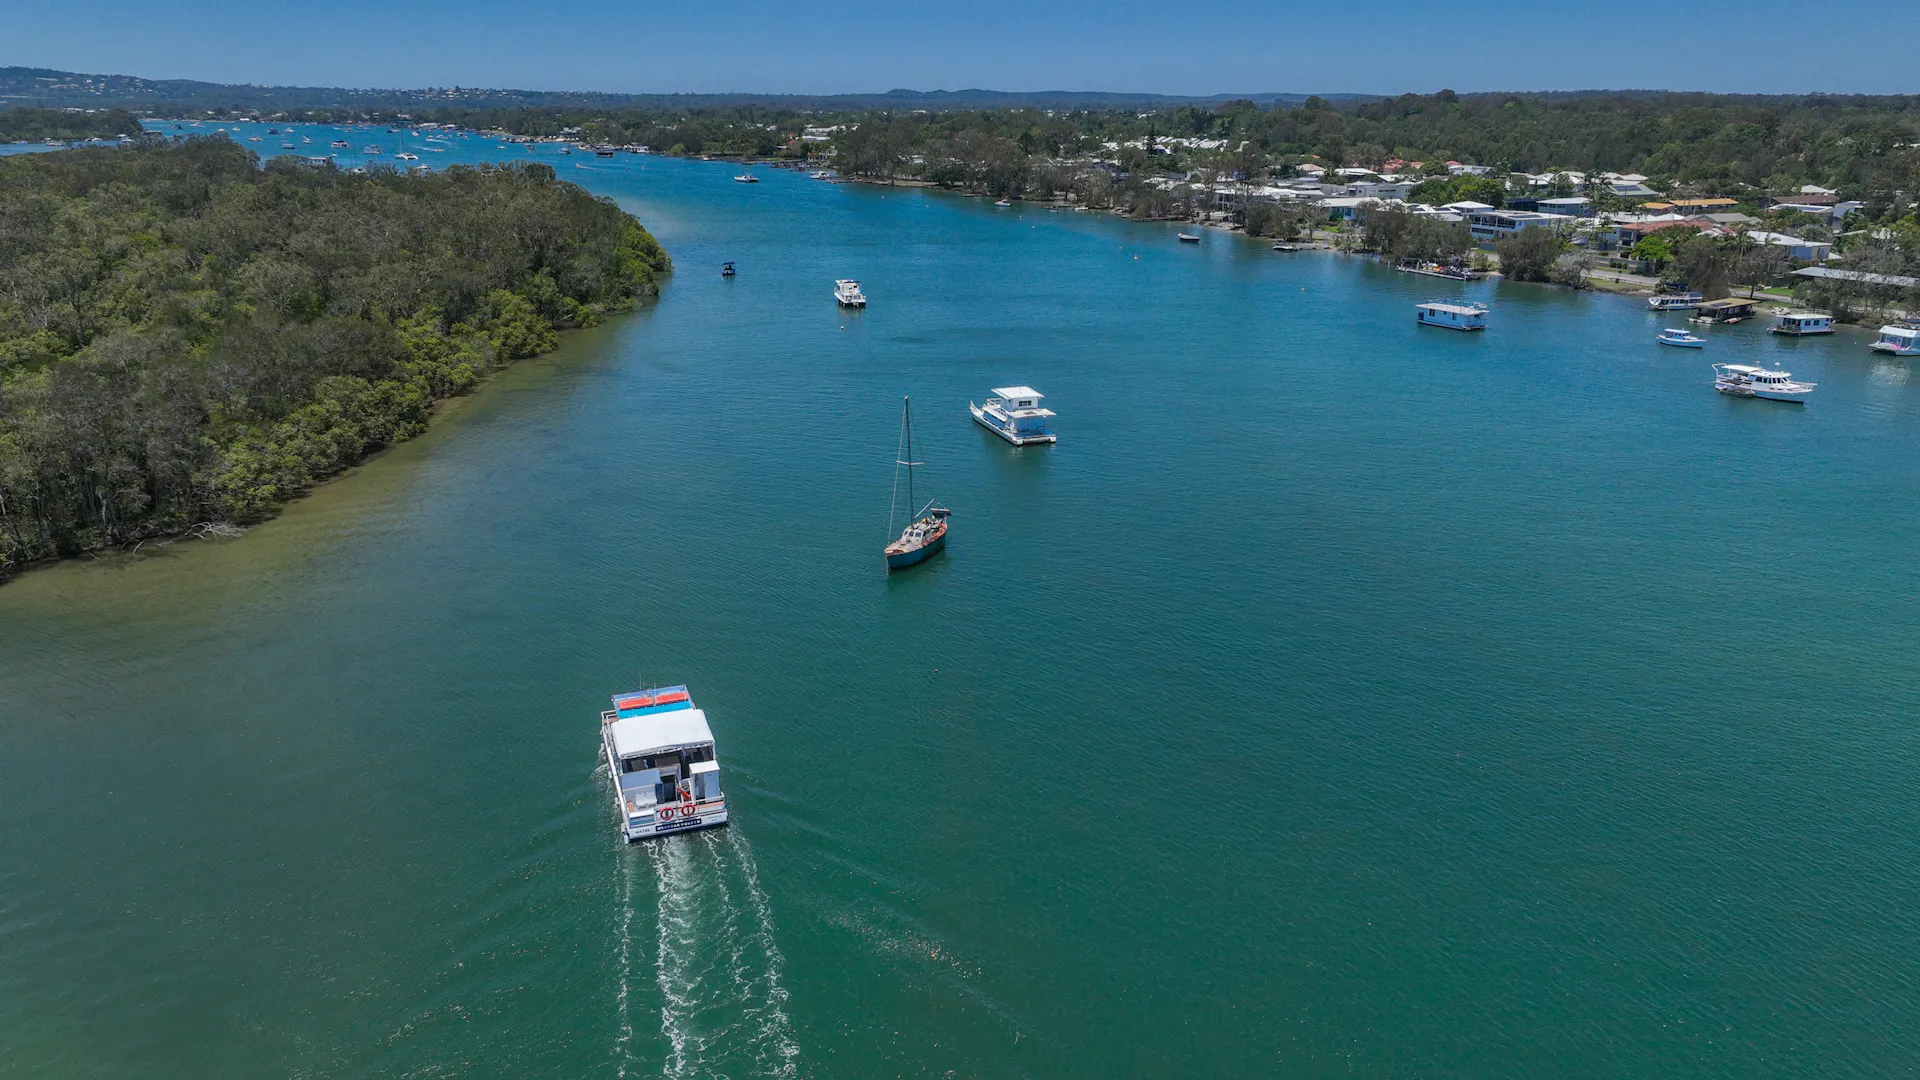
column 659, row 751
column 746, row 178
column 1185, row 238
column 727, row 270
column 1676, row 302
column 1014, row 414
column 846, row 292
column 926, row 534
column 1802, row 323
column 1741, row 380
column 1681, row 339
column 1451, row 316
column 1900, row 339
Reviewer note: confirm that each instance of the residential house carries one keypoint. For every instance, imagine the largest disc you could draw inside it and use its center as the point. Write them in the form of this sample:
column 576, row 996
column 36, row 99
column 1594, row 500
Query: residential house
column 1494, row 224
column 1691, row 206
column 1798, row 250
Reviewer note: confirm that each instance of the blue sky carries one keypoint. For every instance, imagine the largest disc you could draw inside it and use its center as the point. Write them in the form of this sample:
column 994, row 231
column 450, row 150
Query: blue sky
column 1185, row 47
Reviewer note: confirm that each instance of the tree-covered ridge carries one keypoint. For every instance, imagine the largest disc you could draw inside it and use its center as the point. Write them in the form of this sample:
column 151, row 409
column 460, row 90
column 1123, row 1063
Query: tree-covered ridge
column 188, row 337
column 38, row 125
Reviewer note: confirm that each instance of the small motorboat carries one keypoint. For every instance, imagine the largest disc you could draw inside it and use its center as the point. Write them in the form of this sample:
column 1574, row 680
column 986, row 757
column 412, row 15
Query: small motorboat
column 1681, row 339
column 822, row 175
column 1189, row 238
column 1740, row 380
column 1003, row 202
column 1284, row 246
column 847, row 293
column 727, row 270
column 746, row 178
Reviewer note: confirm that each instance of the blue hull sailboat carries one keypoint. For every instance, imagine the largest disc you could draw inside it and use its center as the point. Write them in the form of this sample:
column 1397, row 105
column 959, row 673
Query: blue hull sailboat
column 926, row 535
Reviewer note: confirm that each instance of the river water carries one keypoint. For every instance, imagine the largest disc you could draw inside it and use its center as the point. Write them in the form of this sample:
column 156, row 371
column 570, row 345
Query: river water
column 1338, row 697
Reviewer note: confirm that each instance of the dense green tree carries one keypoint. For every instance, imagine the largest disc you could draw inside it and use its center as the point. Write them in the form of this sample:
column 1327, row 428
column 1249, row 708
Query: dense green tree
column 1530, row 254
column 188, row 337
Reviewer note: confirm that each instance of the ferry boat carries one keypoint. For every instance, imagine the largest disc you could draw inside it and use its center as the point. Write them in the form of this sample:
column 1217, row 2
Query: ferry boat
column 659, row 752
column 1681, row 339
column 1900, row 339
column 1676, row 302
column 926, row 535
column 1185, row 238
column 1014, row 414
column 1451, row 316
column 847, row 292
column 1741, row 380
column 1801, row 323
column 746, row 178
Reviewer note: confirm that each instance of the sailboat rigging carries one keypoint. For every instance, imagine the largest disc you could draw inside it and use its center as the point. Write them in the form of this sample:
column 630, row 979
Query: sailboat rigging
column 926, row 534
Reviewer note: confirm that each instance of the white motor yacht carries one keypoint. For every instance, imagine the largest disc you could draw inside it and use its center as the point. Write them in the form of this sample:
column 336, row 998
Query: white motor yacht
column 1014, row 414
column 659, row 752
column 1741, row 380
column 847, row 292
column 1681, row 339
column 746, row 178
column 1676, row 302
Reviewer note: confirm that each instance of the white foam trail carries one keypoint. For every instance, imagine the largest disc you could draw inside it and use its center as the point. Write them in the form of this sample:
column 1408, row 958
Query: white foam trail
column 622, row 1042
column 677, row 951
column 776, row 1030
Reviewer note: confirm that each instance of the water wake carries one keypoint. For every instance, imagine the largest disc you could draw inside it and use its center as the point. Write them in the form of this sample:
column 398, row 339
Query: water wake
column 717, row 966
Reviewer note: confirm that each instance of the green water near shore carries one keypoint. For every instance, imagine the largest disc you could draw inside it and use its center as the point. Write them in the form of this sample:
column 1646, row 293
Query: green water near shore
column 1337, row 698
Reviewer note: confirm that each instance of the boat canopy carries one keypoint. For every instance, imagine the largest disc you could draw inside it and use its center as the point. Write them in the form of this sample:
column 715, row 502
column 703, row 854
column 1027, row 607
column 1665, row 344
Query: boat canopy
column 668, row 730
column 1454, row 309
column 1017, row 392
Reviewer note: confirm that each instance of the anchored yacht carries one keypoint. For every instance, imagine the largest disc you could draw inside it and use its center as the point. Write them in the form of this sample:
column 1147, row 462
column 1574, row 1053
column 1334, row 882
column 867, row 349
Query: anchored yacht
column 1741, row 380
column 1014, row 414
column 1681, row 339
column 659, row 752
column 847, row 292
column 926, row 533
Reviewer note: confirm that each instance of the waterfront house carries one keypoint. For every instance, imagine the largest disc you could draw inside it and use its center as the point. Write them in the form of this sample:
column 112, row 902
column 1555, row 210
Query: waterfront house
column 1797, row 249
column 1494, row 224
column 1691, row 206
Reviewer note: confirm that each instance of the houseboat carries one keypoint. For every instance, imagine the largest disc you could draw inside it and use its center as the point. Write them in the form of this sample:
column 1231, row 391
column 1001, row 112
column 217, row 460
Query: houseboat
column 1900, row 339
column 1801, row 323
column 1681, row 339
column 1014, row 414
column 1740, row 380
column 1676, row 302
column 1451, row 316
column 659, row 752
column 847, row 293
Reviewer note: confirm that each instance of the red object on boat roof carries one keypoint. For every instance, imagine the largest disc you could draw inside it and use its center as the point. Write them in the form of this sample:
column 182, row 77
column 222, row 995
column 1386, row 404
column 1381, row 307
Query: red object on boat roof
column 643, row 701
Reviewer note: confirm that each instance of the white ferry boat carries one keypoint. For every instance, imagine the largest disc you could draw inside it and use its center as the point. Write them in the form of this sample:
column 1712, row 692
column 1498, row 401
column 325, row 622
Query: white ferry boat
column 847, row 292
column 1681, row 339
column 1898, row 339
column 1676, row 302
column 1800, row 323
column 1014, row 414
column 1741, row 380
column 1451, row 316
column 659, row 752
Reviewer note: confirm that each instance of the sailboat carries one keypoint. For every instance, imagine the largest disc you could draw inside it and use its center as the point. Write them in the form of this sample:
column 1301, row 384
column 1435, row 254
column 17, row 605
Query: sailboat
column 926, row 535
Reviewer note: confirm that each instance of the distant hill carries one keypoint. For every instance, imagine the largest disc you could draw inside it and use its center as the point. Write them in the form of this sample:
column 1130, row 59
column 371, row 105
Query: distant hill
column 46, row 88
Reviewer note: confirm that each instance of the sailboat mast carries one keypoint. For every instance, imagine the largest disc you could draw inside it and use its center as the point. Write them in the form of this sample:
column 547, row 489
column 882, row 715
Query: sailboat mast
column 906, row 413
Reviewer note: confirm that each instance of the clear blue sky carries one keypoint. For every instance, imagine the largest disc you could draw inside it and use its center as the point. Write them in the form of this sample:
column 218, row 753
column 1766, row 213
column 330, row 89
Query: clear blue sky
column 804, row 46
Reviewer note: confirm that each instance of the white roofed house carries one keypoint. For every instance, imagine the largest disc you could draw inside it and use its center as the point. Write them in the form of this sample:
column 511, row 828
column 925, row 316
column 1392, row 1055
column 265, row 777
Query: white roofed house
column 1809, row 251
column 1493, row 224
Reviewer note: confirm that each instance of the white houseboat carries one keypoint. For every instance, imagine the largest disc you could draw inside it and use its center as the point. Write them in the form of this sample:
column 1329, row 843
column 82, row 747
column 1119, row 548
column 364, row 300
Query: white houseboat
column 659, row 751
column 1676, row 302
column 1801, row 323
column 1014, row 414
column 1741, row 380
column 1451, row 316
column 847, row 292
column 1898, row 339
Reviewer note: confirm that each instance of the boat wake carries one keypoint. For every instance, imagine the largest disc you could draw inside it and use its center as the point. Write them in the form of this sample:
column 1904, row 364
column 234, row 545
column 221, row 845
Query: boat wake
column 716, row 965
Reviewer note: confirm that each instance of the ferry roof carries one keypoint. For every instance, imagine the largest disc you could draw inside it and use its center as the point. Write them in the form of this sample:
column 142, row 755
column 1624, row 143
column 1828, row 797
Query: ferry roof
column 660, row 731
column 1017, row 391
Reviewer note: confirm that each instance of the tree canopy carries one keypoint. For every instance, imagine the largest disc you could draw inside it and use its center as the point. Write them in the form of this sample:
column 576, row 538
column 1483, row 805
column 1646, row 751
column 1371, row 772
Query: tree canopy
column 187, row 337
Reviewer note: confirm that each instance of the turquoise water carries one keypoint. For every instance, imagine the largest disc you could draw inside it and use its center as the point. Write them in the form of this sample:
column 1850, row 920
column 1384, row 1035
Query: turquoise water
column 1338, row 697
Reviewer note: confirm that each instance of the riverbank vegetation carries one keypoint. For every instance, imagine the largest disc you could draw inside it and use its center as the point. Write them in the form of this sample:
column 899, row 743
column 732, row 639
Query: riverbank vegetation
column 189, row 337
column 65, row 125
